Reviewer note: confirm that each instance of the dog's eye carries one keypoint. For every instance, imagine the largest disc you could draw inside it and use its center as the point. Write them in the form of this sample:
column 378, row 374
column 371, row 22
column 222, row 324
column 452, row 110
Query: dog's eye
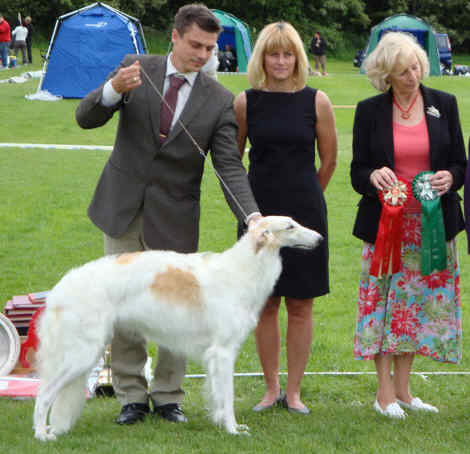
column 290, row 227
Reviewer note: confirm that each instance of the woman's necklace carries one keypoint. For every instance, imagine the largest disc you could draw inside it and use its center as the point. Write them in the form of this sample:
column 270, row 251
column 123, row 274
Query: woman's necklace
column 405, row 114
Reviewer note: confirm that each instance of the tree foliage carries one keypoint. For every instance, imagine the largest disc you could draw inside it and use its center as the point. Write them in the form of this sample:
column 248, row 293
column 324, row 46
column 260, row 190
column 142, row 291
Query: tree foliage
column 344, row 23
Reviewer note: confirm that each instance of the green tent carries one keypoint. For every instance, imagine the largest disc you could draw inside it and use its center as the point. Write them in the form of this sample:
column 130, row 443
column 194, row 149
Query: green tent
column 411, row 24
column 237, row 34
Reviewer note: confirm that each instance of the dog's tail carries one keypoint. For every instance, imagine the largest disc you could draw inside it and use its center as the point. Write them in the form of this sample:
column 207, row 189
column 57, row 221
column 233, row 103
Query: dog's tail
column 65, row 359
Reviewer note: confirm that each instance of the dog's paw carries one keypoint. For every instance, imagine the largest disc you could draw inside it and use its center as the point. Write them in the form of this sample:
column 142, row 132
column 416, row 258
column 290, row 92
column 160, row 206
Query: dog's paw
column 243, row 429
column 239, row 429
column 45, row 434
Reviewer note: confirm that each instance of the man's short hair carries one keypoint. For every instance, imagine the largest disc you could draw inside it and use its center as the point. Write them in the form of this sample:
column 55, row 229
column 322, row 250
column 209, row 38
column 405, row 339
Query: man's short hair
column 196, row 13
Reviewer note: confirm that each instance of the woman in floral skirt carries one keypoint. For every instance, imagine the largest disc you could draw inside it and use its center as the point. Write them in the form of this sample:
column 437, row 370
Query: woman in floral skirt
column 398, row 134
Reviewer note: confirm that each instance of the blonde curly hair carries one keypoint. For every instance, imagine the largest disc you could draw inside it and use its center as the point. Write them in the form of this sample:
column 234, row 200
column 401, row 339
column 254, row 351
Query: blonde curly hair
column 392, row 52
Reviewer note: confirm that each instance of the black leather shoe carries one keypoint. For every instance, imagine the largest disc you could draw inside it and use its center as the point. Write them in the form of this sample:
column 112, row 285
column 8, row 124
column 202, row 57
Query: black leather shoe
column 132, row 413
column 171, row 412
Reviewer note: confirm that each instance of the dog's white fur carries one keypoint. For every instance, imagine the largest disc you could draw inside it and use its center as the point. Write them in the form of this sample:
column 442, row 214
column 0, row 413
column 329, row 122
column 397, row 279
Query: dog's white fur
column 201, row 305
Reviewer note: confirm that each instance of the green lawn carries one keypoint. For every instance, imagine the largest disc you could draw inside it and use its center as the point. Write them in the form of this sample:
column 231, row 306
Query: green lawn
column 45, row 231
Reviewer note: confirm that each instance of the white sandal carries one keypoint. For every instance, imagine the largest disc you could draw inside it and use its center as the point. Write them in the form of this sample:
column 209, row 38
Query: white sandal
column 417, row 404
column 392, row 410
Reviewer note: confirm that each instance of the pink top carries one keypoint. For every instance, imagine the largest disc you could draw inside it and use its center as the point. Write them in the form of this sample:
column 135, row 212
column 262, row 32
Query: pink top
column 411, row 153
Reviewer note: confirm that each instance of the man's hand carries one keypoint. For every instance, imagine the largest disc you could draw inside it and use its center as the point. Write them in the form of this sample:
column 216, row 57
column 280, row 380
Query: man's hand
column 127, row 78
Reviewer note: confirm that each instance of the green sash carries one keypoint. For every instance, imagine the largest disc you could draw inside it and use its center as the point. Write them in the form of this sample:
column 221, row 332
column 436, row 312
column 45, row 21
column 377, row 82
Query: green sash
column 433, row 237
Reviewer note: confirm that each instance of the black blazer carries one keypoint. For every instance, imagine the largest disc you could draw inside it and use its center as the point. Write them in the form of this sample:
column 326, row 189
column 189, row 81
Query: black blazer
column 373, row 149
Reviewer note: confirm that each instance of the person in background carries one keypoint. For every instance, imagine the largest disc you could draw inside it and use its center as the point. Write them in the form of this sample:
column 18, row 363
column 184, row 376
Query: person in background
column 284, row 118
column 228, row 61
column 20, row 33
column 148, row 196
column 210, row 68
column 5, row 38
column 318, row 49
column 29, row 38
column 407, row 129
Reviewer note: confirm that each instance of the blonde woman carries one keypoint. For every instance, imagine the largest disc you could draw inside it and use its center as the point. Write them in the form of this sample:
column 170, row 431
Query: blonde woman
column 283, row 119
column 403, row 131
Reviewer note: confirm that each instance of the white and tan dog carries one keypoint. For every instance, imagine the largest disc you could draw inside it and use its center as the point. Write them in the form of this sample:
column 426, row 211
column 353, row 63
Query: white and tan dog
column 200, row 305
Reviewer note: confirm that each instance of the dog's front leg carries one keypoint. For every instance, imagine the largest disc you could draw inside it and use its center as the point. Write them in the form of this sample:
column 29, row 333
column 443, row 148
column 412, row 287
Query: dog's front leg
column 220, row 364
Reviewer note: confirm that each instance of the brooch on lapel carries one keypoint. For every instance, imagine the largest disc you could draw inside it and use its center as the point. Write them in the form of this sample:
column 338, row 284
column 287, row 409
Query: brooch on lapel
column 433, row 112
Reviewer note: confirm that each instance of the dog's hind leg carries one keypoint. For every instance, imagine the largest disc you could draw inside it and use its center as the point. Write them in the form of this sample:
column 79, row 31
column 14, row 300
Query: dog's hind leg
column 220, row 363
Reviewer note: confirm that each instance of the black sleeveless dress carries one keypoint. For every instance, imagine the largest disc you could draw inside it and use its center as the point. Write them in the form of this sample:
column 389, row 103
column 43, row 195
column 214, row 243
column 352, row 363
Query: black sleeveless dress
column 283, row 177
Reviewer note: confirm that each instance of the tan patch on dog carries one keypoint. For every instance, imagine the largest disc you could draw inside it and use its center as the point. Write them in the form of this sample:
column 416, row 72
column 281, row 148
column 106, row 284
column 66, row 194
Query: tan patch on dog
column 262, row 235
column 127, row 258
column 259, row 243
column 177, row 286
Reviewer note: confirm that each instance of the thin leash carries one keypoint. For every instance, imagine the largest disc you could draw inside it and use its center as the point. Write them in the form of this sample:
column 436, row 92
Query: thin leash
column 193, row 140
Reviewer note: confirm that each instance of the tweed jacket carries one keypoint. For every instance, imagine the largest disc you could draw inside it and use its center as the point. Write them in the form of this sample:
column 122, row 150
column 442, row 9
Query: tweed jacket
column 373, row 148
column 163, row 181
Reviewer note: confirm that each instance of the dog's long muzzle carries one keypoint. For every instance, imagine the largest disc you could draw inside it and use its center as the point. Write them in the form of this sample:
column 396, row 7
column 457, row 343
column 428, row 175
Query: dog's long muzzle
column 311, row 243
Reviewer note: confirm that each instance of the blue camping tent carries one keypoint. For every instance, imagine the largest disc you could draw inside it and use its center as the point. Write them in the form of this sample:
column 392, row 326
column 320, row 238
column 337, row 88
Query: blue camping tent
column 86, row 45
column 236, row 34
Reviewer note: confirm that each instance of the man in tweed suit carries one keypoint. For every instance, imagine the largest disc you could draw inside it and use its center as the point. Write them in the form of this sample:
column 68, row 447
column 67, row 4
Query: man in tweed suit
column 148, row 194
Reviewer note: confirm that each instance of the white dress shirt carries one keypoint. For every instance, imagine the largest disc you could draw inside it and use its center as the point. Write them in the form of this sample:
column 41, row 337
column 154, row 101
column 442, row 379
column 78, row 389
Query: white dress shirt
column 111, row 97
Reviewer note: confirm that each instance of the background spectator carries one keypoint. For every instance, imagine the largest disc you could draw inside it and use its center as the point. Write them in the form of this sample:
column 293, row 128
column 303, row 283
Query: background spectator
column 29, row 38
column 318, row 49
column 5, row 38
column 228, row 60
column 20, row 33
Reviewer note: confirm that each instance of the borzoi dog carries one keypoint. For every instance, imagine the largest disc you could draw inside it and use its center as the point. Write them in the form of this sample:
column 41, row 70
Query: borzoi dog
column 200, row 305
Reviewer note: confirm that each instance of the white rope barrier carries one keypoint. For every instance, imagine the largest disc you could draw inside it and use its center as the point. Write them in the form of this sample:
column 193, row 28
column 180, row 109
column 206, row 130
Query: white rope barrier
column 260, row 374
column 48, row 146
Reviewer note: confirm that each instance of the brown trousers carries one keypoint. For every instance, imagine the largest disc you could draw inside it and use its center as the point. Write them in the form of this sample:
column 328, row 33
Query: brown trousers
column 129, row 351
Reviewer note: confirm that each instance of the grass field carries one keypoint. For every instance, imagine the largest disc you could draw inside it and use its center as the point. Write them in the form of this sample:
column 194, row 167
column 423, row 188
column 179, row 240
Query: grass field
column 45, row 231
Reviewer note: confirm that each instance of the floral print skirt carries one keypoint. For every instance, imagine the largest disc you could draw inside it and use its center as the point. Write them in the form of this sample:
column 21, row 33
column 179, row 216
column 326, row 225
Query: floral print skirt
column 407, row 312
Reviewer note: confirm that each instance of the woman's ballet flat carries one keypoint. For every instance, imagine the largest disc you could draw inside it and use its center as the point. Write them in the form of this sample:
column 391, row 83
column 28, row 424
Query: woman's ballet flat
column 392, row 410
column 417, row 404
column 259, row 407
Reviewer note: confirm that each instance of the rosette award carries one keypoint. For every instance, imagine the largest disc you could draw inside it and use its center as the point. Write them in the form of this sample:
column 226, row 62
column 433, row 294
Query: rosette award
column 387, row 251
column 433, row 237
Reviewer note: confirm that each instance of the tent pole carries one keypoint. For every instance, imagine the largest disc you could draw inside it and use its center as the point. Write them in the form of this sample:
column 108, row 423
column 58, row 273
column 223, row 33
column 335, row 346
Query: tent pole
column 46, row 59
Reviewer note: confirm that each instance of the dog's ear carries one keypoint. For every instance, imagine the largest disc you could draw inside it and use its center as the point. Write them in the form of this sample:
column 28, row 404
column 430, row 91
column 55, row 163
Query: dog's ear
column 262, row 237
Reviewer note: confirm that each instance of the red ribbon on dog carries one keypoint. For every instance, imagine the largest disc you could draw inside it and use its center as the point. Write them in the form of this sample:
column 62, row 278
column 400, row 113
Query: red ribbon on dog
column 389, row 236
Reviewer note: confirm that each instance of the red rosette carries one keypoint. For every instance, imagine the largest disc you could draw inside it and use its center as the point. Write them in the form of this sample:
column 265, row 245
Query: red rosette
column 387, row 250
